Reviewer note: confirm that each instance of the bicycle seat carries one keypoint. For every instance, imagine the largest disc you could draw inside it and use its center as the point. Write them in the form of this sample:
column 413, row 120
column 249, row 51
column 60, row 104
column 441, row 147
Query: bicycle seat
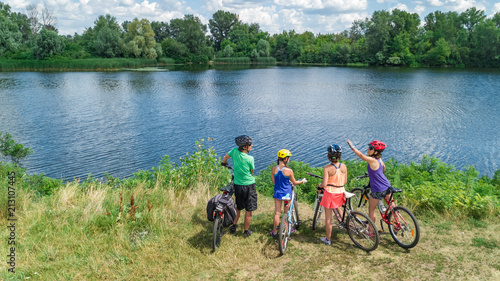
column 287, row 197
column 395, row 190
column 348, row 194
column 228, row 188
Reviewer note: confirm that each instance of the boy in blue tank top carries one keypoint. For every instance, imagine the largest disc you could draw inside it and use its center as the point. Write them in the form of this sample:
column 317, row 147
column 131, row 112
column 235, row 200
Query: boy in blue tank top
column 281, row 177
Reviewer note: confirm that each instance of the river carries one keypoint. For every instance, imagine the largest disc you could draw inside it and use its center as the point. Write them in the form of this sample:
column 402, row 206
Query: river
column 81, row 123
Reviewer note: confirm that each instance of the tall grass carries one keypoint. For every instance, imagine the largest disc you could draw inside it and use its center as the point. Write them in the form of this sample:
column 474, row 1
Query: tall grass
column 97, row 64
column 240, row 60
column 431, row 185
column 265, row 60
column 154, row 226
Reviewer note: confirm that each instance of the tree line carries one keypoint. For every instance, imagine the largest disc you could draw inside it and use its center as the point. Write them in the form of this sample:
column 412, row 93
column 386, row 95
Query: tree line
column 393, row 38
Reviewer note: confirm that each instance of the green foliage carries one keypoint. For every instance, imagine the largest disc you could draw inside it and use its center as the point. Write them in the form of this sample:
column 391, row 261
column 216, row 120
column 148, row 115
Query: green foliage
column 106, row 37
column 139, row 40
column 190, row 32
column 265, row 60
column 9, row 147
column 65, row 64
column 241, row 60
column 393, row 38
column 48, row 43
column 430, row 185
column 221, row 25
column 10, row 36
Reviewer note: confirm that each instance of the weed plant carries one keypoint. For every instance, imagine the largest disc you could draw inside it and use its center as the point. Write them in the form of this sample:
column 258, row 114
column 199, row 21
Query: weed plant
column 431, row 185
column 64, row 64
column 240, row 60
column 157, row 229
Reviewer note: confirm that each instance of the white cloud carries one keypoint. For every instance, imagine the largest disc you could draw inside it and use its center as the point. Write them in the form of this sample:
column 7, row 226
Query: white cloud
column 401, row 7
column 462, row 5
column 496, row 8
column 435, row 3
column 419, row 9
column 335, row 5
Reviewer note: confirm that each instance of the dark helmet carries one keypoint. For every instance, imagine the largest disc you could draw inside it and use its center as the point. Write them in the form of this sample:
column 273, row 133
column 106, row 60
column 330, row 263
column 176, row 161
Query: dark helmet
column 377, row 145
column 243, row 140
column 334, row 151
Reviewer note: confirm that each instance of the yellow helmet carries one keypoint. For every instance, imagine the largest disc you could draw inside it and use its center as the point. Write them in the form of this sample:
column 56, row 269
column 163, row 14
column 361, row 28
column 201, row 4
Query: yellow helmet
column 284, row 153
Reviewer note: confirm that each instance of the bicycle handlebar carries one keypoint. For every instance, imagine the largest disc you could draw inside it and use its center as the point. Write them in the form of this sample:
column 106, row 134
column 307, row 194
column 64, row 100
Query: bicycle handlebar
column 313, row 175
column 363, row 176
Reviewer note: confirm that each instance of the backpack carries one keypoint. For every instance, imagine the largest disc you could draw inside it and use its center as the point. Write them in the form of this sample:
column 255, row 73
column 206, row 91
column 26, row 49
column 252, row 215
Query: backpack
column 229, row 210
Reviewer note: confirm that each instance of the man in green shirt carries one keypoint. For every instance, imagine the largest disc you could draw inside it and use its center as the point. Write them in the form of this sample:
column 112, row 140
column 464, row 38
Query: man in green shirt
column 244, row 182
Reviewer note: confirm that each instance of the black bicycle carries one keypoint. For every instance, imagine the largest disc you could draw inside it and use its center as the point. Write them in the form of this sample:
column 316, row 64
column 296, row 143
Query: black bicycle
column 403, row 225
column 359, row 226
column 221, row 206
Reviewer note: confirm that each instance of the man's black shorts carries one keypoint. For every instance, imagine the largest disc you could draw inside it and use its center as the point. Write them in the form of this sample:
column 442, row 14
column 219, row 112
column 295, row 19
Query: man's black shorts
column 246, row 197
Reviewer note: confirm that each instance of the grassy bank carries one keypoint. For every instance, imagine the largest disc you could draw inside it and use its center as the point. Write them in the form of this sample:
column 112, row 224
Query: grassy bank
column 153, row 225
column 97, row 64
column 89, row 233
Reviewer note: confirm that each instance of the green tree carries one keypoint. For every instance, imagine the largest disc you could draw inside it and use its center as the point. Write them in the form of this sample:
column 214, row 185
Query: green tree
column 239, row 36
column 139, row 40
column 263, row 48
column 22, row 22
column 221, row 25
column 173, row 49
column 48, row 43
column 106, row 39
column 472, row 17
column 16, row 151
column 496, row 19
column 439, row 54
column 486, row 37
column 228, row 51
column 161, row 30
column 10, row 36
column 378, row 35
column 190, row 32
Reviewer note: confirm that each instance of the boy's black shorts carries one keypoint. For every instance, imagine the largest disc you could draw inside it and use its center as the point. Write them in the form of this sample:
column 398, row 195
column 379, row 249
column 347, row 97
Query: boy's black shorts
column 246, row 197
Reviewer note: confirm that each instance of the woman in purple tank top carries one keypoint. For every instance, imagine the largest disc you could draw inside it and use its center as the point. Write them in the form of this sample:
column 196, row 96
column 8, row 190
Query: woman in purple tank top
column 378, row 181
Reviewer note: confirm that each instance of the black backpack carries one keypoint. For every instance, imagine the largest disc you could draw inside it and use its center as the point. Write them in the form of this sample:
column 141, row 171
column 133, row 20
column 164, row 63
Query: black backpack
column 229, row 210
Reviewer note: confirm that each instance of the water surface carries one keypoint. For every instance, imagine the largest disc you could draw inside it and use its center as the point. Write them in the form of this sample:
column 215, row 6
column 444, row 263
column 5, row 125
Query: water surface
column 81, row 123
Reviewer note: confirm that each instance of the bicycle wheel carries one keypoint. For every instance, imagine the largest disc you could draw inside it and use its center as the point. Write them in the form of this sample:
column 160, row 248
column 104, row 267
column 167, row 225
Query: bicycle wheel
column 404, row 227
column 318, row 210
column 218, row 232
column 296, row 219
column 362, row 231
column 359, row 202
column 284, row 233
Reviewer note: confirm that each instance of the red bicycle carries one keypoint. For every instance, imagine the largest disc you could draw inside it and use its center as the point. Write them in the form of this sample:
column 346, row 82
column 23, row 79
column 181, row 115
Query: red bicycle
column 403, row 225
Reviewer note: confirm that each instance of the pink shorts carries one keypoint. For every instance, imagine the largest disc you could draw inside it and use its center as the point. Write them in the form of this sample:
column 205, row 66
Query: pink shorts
column 332, row 200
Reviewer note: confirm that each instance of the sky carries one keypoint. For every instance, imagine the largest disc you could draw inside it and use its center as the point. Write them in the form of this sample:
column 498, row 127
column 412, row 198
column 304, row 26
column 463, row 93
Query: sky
column 273, row 16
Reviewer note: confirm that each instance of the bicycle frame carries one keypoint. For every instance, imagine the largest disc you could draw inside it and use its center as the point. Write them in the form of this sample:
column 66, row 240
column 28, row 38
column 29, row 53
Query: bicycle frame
column 291, row 210
column 389, row 208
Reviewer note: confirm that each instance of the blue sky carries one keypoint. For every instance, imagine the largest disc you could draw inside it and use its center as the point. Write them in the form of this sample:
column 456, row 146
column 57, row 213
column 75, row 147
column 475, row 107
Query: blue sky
column 273, row 16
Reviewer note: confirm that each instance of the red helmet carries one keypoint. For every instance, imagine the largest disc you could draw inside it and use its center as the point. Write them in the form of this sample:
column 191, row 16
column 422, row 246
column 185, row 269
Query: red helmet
column 378, row 145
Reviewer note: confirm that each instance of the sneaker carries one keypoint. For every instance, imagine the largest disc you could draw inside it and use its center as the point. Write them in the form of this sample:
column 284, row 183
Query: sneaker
column 293, row 231
column 273, row 234
column 247, row 233
column 232, row 229
column 326, row 241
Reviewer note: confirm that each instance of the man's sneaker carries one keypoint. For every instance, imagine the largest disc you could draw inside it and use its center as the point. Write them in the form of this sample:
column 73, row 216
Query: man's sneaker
column 232, row 229
column 326, row 241
column 247, row 233
column 293, row 231
column 273, row 234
